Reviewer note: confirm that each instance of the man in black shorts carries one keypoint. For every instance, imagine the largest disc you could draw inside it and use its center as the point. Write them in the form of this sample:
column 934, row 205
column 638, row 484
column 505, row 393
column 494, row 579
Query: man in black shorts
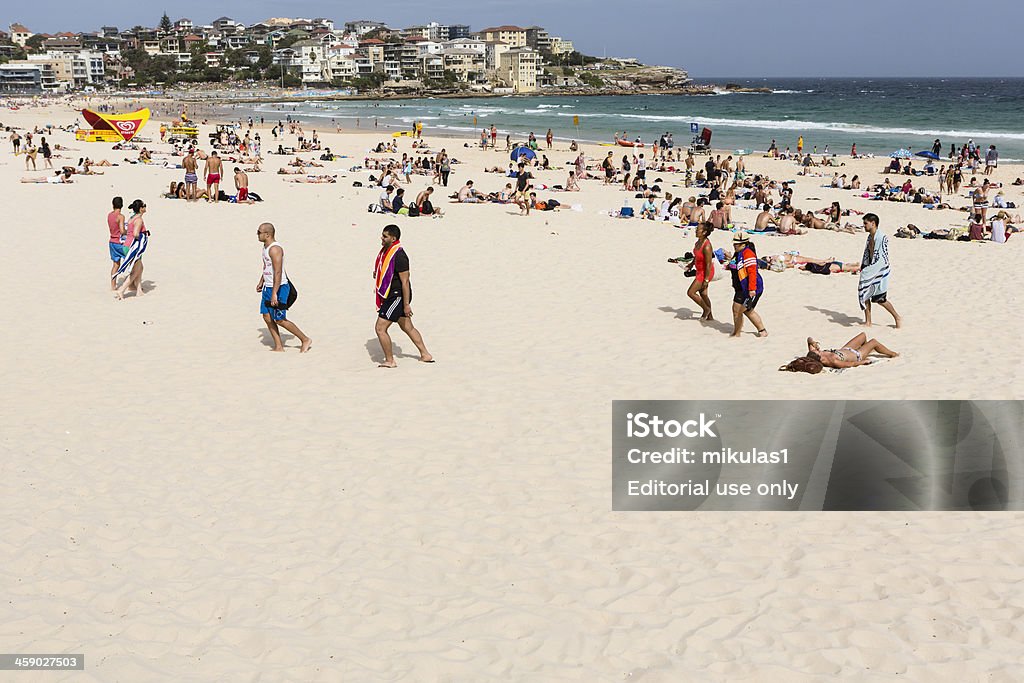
column 394, row 294
column 609, row 168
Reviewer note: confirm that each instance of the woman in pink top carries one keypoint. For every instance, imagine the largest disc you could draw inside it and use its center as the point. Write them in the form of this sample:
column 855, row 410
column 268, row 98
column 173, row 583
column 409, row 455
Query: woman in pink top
column 115, row 223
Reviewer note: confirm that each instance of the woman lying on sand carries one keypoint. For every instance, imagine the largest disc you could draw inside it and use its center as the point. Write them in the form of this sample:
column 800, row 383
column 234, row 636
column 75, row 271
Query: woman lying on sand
column 855, row 352
column 59, row 178
column 812, row 265
column 298, row 161
column 313, row 179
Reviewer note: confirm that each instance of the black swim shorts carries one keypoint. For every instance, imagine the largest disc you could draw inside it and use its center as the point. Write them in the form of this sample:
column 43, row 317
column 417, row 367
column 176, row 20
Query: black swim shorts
column 392, row 309
column 739, row 297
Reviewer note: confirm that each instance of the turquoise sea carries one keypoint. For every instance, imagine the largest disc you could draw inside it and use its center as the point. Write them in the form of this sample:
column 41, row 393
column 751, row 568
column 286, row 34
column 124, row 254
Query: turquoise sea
column 879, row 115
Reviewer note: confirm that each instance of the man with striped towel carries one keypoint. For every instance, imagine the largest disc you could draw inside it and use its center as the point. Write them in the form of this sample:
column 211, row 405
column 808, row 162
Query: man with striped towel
column 394, row 295
column 874, row 273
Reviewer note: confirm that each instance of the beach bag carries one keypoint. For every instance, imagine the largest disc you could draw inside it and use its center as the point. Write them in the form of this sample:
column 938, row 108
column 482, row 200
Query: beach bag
column 375, row 208
column 626, row 212
column 414, row 211
column 293, row 294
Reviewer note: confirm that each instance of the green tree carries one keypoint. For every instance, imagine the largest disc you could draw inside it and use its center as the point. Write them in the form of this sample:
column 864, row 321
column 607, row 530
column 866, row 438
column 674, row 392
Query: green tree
column 165, row 24
column 370, row 81
column 35, row 43
column 236, row 58
column 197, row 63
column 291, row 79
column 266, row 58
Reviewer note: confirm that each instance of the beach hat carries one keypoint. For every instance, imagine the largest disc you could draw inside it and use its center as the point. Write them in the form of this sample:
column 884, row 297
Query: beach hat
column 740, row 236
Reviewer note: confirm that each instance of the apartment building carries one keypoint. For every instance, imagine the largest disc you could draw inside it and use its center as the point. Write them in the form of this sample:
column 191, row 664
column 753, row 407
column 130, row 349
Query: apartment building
column 467, row 65
column 518, row 68
column 538, row 39
column 560, row 46
column 513, row 36
column 20, row 77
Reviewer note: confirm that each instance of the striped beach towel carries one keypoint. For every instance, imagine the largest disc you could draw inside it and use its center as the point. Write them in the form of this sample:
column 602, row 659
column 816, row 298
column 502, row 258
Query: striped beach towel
column 384, row 271
column 874, row 273
column 135, row 252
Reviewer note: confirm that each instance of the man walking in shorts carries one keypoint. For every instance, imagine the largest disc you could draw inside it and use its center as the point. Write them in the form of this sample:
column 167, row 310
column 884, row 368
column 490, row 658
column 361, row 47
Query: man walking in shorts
column 394, row 296
column 276, row 288
column 115, row 244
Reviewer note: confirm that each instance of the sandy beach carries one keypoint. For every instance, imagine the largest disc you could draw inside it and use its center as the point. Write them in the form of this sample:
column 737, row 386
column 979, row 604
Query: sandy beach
column 181, row 504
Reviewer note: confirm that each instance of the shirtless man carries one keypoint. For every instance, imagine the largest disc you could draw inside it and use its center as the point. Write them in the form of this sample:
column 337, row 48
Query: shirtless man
column 468, row 194
column 424, row 204
column 242, row 185
column 191, row 178
column 765, row 218
column 212, row 170
column 717, row 217
column 787, row 224
column 698, row 215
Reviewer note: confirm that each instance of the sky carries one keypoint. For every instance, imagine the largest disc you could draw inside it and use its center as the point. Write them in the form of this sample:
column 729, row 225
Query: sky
column 709, row 38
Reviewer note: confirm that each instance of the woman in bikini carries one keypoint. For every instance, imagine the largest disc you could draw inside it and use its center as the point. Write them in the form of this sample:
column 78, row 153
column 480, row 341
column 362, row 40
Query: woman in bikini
column 855, row 352
column 704, row 264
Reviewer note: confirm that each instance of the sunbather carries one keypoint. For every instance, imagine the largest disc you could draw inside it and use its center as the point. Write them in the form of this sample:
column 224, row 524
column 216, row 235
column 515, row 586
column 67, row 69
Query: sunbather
column 855, row 352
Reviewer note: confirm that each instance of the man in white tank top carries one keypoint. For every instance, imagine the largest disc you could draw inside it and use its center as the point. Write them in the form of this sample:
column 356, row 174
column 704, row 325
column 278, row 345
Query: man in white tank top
column 275, row 288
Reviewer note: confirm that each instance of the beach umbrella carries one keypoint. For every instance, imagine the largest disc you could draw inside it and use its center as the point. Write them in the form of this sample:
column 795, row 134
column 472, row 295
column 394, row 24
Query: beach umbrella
column 519, row 152
column 928, row 154
column 901, row 154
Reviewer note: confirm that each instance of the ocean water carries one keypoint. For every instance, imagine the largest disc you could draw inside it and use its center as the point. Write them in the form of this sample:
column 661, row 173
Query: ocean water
column 879, row 115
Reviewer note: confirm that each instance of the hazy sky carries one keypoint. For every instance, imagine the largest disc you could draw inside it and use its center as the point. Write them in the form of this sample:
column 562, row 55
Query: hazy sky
column 710, row 38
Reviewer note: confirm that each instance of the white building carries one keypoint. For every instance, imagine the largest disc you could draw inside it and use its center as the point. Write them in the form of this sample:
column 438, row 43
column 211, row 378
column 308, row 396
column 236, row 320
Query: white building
column 429, row 47
column 519, row 67
column 361, row 28
column 559, row 46
column 493, row 51
column 20, row 34
column 465, row 44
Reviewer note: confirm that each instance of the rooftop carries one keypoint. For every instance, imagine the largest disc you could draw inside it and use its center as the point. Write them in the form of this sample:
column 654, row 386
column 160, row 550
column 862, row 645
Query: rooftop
column 496, row 29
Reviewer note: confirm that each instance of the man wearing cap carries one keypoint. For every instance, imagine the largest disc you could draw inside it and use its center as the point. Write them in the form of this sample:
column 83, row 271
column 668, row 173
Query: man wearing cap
column 747, row 285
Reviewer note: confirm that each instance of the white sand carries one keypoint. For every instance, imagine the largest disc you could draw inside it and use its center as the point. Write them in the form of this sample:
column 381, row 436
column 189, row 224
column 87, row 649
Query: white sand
column 180, row 504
